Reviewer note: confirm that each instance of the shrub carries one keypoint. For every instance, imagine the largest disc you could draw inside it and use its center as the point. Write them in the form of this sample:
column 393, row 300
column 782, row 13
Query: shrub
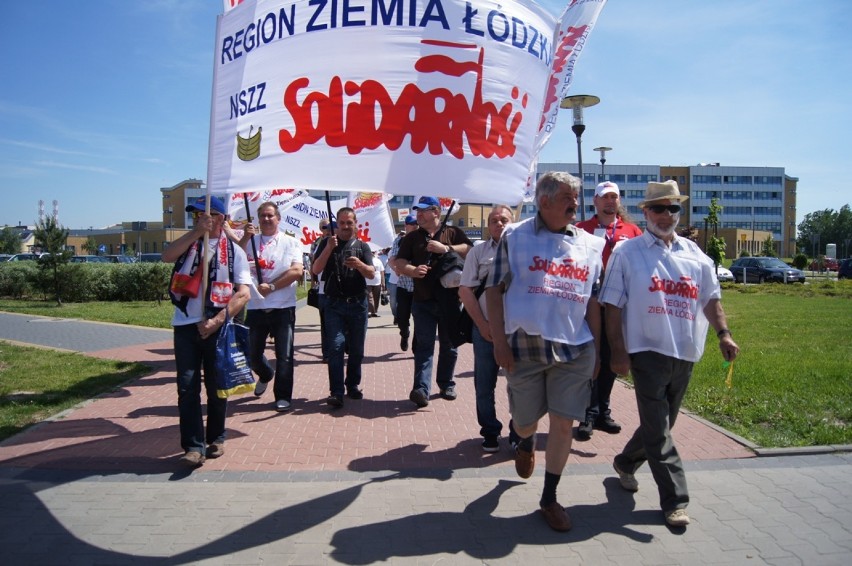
column 18, row 279
column 800, row 261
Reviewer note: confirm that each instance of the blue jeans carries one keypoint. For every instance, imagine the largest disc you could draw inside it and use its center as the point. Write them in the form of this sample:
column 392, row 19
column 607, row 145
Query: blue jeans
column 345, row 325
column 427, row 321
column 280, row 324
column 485, row 370
column 191, row 354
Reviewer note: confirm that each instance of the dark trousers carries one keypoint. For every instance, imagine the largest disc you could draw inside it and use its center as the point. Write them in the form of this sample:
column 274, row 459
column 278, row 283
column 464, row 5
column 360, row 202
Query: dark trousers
column 660, row 383
column 281, row 325
column 191, row 355
column 404, row 299
column 598, row 408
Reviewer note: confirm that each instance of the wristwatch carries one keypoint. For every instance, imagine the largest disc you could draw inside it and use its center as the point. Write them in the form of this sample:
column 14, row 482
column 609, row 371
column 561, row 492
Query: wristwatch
column 272, row 286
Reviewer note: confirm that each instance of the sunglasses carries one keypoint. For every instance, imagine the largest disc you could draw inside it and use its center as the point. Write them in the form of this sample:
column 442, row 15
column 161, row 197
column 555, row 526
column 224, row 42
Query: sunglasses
column 661, row 208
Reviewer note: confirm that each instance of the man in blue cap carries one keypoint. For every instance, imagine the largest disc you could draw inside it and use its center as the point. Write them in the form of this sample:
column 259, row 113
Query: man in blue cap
column 197, row 322
column 419, row 256
column 404, row 288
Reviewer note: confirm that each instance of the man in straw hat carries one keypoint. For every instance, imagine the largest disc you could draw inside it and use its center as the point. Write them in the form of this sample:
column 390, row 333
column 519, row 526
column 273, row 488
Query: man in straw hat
column 660, row 294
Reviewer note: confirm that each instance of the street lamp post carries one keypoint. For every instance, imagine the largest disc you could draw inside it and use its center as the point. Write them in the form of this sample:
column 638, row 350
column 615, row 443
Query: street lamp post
column 603, row 149
column 576, row 103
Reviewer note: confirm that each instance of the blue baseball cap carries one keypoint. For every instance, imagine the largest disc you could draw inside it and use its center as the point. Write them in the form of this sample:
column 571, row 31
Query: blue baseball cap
column 426, row 202
column 200, row 205
column 411, row 220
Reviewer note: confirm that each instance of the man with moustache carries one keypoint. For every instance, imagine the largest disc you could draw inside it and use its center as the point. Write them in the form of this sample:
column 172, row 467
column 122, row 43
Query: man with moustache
column 609, row 223
column 545, row 323
column 661, row 293
column 279, row 263
column 345, row 264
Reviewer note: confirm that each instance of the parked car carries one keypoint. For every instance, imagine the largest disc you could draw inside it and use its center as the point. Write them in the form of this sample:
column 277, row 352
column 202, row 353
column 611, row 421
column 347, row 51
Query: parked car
column 723, row 274
column 5, row 257
column 844, row 270
column 120, row 258
column 828, row 264
column 25, row 257
column 87, row 259
column 761, row 269
column 150, row 258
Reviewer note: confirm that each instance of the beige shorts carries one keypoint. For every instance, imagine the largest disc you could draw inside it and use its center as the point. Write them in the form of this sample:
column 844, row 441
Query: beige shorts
column 564, row 389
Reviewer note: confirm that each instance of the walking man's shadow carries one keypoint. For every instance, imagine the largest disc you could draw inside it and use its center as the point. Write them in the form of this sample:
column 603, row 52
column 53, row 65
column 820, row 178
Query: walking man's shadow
column 478, row 533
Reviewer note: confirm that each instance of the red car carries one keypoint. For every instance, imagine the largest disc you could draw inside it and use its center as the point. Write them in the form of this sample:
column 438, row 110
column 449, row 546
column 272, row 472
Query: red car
column 828, row 264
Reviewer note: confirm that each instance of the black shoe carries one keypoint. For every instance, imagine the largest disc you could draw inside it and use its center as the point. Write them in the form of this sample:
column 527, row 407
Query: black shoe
column 513, row 436
column 607, row 425
column 419, row 398
column 335, row 401
column 403, row 342
column 354, row 393
column 491, row 443
column 584, row 431
column 449, row 393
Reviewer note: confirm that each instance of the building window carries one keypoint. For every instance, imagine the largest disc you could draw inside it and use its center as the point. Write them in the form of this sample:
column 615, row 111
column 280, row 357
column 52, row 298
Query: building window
column 767, row 195
column 767, row 210
column 706, row 194
column 737, row 195
column 634, row 194
column 737, row 179
column 641, row 178
column 736, row 210
column 706, row 179
column 772, row 180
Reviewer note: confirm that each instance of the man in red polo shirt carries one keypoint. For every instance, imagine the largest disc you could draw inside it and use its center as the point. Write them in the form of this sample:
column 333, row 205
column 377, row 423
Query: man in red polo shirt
column 609, row 222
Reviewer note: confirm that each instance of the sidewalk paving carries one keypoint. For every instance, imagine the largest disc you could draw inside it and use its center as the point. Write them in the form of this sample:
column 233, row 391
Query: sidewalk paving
column 377, row 481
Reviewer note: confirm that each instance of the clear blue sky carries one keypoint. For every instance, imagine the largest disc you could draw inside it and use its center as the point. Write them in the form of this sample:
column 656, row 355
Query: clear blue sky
column 105, row 101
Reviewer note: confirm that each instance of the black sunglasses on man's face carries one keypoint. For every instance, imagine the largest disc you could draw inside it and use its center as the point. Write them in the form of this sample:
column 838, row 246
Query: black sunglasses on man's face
column 660, row 208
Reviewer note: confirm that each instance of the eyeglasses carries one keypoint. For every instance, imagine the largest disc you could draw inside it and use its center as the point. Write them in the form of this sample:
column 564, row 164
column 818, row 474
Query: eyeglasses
column 197, row 213
column 324, row 227
column 661, row 208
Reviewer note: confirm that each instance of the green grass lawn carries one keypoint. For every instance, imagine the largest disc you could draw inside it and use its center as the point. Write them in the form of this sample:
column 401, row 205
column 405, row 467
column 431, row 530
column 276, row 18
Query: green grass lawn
column 792, row 384
column 36, row 383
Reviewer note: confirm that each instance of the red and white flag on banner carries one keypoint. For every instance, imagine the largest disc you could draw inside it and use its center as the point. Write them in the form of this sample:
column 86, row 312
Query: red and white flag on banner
column 231, row 4
column 462, row 97
column 301, row 214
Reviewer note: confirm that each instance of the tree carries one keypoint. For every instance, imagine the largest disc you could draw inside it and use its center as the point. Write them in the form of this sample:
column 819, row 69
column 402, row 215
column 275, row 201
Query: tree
column 768, row 249
column 51, row 237
column 90, row 246
column 826, row 227
column 715, row 244
column 10, row 241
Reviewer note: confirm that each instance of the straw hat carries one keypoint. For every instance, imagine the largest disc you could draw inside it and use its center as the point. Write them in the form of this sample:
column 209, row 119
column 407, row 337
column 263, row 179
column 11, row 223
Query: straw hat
column 666, row 190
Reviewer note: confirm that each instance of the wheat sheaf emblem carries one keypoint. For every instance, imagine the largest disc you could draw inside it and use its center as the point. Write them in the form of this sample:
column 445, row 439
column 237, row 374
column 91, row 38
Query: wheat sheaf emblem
column 249, row 148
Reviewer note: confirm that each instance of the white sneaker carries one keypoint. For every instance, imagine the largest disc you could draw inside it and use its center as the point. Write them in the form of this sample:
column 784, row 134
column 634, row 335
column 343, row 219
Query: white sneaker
column 627, row 481
column 260, row 387
column 677, row 518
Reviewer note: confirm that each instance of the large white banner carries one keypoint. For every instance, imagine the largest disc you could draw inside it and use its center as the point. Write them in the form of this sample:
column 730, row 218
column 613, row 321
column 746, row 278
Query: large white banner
column 407, row 97
column 301, row 214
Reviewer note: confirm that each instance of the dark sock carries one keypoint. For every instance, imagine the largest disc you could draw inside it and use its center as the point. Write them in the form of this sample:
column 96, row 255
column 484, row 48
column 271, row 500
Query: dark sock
column 527, row 444
column 548, row 495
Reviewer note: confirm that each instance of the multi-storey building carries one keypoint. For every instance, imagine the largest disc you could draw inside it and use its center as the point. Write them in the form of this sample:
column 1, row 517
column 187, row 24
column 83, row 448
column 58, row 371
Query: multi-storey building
column 755, row 201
